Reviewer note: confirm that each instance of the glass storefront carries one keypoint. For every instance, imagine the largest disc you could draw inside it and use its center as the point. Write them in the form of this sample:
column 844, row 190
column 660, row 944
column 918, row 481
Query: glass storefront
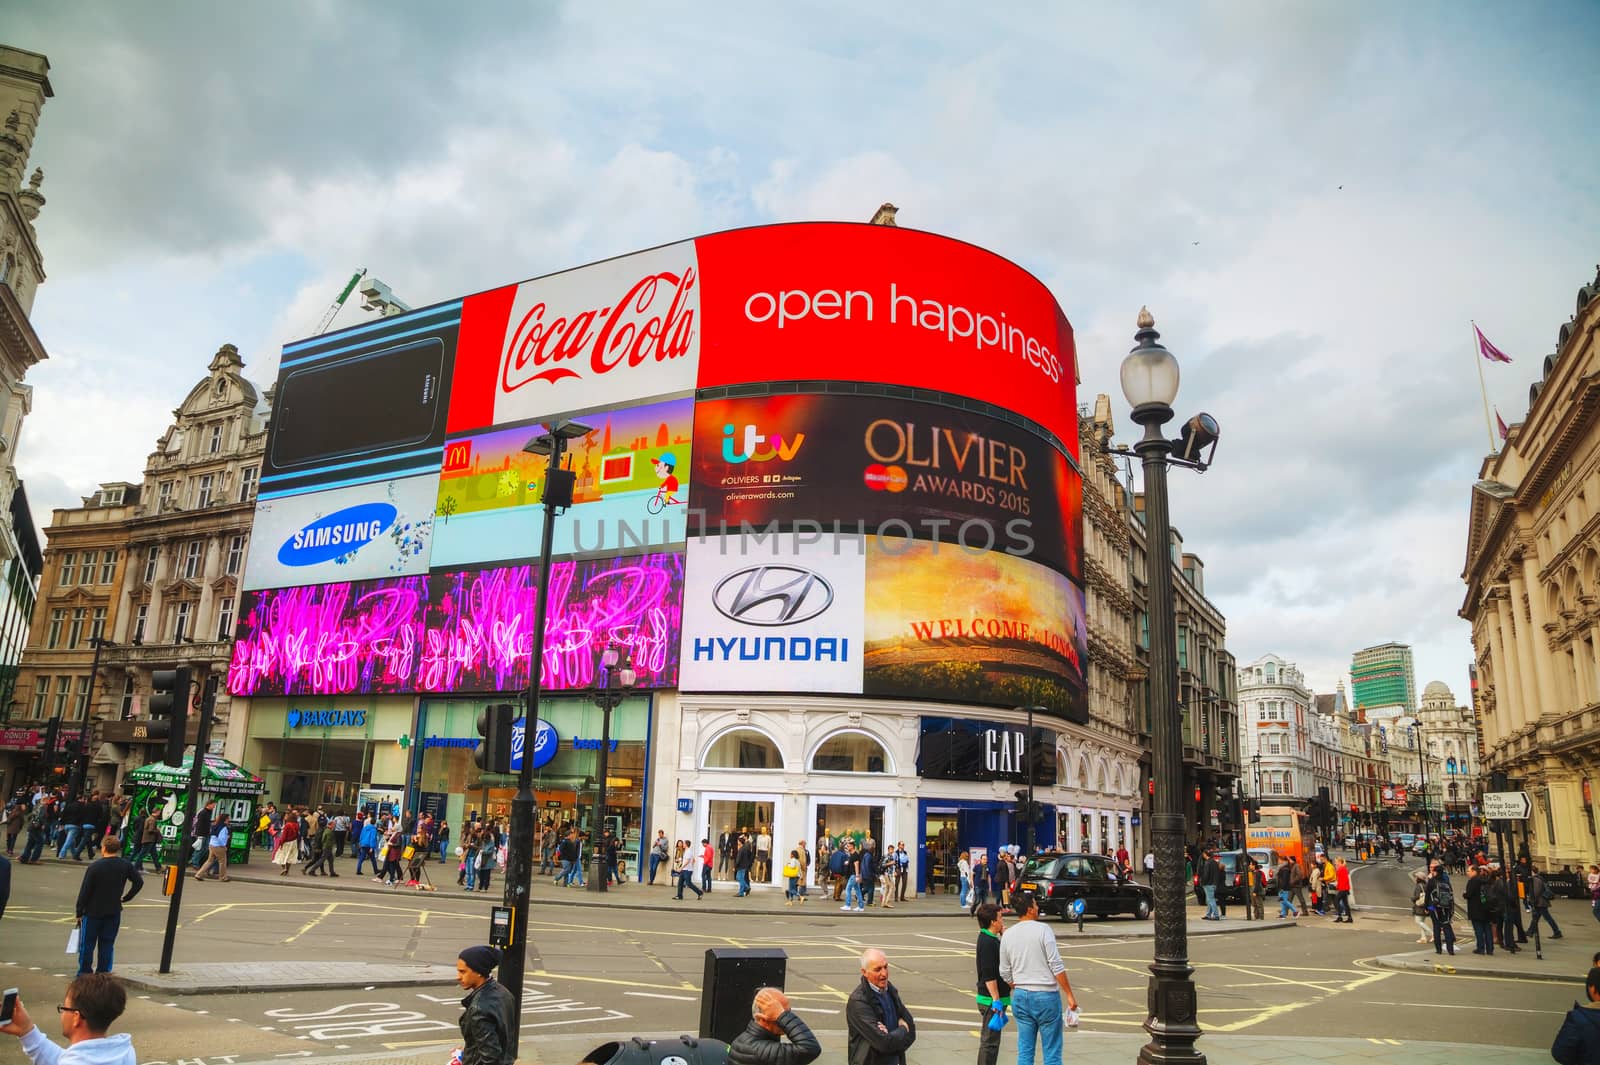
column 324, row 752
column 565, row 788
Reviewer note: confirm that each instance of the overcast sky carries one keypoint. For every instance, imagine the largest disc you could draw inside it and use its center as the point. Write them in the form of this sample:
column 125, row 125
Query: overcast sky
column 1314, row 200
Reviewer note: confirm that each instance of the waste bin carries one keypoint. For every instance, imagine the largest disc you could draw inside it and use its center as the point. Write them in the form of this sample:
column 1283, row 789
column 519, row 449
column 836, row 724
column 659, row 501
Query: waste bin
column 733, row 975
column 636, row 1051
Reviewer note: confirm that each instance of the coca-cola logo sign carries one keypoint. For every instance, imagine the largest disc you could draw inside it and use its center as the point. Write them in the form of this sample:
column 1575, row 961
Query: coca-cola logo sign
column 621, row 331
column 654, row 320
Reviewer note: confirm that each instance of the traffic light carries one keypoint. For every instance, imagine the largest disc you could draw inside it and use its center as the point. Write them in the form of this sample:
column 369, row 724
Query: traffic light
column 1027, row 812
column 169, row 711
column 493, row 752
column 1254, row 810
column 52, row 736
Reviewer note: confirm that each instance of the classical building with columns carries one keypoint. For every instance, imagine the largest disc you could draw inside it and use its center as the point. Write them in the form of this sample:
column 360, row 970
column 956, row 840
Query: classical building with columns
column 1533, row 595
column 145, row 575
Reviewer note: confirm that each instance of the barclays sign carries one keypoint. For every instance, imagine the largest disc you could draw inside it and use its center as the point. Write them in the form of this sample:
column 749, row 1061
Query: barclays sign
column 327, row 719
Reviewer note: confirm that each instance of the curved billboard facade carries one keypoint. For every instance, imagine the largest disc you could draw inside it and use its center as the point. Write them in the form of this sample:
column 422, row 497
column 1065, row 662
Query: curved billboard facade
column 821, row 457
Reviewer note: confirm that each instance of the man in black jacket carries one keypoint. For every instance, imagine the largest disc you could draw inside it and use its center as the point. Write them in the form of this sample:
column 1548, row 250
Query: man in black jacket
column 881, row 1028
column 487, row 1022
column 202, row 833
column 99, row 907
column 994, row 994
column 743, row 861
column 761, row 1043
column 1211, row 883
column 1578, row 1042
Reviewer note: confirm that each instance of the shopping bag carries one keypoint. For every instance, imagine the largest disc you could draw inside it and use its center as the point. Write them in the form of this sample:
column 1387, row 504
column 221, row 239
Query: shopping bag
column 408, row 854
column 72, row 940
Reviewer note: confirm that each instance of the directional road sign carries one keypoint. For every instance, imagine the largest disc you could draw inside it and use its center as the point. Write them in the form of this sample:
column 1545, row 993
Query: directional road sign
column 1506, row 805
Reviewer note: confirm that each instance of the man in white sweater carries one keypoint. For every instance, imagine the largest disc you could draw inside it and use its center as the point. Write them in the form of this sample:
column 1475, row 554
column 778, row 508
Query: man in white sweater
column 1032, row 965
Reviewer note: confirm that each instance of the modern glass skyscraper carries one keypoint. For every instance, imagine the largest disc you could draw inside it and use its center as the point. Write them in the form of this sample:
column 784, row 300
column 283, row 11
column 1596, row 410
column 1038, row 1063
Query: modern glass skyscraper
column 1384, row 676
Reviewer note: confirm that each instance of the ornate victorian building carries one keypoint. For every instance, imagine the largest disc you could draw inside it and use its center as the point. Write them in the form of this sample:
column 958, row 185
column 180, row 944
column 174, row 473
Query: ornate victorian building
column 146, row 576
column 1276, row 718
column 1533, row 595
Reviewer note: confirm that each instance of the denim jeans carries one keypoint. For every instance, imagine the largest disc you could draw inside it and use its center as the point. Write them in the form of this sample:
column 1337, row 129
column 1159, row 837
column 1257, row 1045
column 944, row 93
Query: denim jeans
column 705, row 880
column 1211, row 901
column 1544, row 913
column 1284, row 909
column 655, row 863
column 101, row 933
column 69, row 842
column 143, row 851
column 364, row 854
column 1444, row 933
column 1483, row 937
column 852, row 893
column 966, row 889
column 472, row 871
column 742, row 877
column 686, row 880
column 1038, row 1014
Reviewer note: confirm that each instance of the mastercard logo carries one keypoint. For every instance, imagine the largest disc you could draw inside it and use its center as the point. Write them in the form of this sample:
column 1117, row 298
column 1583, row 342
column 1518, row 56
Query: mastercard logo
column 882, row 478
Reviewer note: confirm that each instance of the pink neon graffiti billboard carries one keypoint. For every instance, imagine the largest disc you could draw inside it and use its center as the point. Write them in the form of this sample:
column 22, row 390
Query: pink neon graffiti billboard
column 465, row 631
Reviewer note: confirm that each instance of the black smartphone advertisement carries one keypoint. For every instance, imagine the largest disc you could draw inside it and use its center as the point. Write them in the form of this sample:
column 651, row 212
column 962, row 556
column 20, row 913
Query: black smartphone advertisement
column 363, row 404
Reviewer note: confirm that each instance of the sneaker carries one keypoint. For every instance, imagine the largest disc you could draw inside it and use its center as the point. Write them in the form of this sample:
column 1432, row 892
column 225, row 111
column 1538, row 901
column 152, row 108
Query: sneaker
column 860, row 910
column 846, row 907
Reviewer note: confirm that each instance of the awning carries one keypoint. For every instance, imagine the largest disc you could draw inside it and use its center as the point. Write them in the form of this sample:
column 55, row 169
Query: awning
column 218, row 776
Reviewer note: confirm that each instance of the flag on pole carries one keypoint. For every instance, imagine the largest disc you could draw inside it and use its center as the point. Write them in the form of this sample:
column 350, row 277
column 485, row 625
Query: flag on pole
column 1488, row 350
column 1500, row 423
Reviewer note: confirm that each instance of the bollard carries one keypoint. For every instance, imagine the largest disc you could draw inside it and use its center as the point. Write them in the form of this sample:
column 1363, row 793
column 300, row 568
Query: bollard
column 733, row 975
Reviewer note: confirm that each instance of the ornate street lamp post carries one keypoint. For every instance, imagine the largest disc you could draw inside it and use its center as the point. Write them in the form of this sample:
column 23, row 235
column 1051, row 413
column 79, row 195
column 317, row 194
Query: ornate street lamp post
column 1150, row 383
column 614, row 679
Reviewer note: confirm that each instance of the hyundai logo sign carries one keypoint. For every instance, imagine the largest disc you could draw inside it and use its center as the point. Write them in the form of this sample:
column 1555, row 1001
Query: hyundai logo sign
column 340, row 533
column 772, row 595
column 545, row 743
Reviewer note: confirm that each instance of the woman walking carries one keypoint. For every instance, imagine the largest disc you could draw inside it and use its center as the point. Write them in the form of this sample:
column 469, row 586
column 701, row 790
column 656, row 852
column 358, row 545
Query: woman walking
column 791, row 878
column 486, row 849
column 965, row 866
column 1419, row 905
column 288, row 851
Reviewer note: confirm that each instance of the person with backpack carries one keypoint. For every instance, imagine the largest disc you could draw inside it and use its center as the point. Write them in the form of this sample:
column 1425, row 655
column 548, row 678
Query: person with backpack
column 1480, row 909
column 1441, row 910
column 1540, row 897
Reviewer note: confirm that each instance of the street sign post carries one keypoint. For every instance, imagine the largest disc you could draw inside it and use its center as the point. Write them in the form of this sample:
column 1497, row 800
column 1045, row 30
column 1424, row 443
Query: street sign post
column 1506, row 805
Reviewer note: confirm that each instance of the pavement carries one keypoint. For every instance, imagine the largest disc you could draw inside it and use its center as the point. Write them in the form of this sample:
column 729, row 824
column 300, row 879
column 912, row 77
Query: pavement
column 720, row 900
column 1081, row 1048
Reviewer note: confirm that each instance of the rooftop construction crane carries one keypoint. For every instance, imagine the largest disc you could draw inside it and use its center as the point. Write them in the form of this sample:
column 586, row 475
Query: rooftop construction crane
column 333, row 309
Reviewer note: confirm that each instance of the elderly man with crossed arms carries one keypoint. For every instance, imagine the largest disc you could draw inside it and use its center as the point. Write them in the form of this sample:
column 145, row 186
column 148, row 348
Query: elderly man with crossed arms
column 761, row 1043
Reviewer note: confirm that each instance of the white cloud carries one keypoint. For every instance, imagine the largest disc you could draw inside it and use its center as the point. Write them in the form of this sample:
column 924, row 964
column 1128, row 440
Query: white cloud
column 217, row 178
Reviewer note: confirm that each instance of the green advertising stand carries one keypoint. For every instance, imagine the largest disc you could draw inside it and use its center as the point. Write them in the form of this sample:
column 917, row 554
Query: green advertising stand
column 161, row 787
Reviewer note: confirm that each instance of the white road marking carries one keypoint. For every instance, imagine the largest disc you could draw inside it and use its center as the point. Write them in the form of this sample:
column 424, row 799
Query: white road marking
column 674, row 998
column 1446, row 1006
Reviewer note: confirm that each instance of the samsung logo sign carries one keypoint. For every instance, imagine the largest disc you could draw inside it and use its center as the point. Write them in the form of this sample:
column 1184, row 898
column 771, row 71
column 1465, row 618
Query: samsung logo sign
column 327, row 719
column 340, row 533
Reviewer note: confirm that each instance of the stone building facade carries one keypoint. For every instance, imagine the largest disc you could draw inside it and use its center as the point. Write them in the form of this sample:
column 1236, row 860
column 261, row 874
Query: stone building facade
column 1206, row 683
column 1533, row 595
column 24, row 88
column 1276, row 720
column 146, row 575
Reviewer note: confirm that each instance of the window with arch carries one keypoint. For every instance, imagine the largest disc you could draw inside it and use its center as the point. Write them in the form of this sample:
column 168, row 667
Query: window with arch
column 850, row 752
column 743, row 748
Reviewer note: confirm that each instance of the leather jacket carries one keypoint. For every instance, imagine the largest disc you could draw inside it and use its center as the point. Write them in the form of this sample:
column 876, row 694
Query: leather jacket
column 486, row 1026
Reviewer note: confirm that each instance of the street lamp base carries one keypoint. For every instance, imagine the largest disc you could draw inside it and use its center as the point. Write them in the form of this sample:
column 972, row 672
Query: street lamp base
column 1171, row 1022
column 597, row 876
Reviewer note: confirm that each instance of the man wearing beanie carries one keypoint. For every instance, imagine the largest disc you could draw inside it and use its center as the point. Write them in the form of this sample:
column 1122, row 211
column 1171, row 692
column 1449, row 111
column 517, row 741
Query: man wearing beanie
column 486, row 1014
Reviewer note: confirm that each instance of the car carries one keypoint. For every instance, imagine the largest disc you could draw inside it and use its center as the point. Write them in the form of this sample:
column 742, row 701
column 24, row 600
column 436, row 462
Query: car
column 1061, row 878
column 1232, row 862
column 1408, row 841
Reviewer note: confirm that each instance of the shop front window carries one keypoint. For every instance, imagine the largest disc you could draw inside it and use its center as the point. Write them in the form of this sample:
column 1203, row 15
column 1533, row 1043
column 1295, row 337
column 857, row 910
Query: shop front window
column 850, row 752
column 743, row 749
column 565, row 788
